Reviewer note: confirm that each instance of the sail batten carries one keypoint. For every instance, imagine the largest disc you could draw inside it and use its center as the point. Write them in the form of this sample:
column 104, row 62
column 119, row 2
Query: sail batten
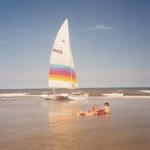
column 61, row 71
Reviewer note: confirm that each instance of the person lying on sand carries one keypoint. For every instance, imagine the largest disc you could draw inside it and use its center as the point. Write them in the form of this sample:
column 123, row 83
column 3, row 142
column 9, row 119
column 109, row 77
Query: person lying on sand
column 96, row 111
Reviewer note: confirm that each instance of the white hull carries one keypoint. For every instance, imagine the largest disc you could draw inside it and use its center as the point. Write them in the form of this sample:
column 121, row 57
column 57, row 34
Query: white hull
column 63, row 96
column 78, row 97
column 66, row 96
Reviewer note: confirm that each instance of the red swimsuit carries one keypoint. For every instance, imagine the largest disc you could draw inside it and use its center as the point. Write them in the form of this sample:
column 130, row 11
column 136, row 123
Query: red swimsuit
column 101, row 112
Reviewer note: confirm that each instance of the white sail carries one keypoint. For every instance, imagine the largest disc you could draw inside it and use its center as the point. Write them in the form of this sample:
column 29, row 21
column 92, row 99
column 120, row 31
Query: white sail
column 61, row 72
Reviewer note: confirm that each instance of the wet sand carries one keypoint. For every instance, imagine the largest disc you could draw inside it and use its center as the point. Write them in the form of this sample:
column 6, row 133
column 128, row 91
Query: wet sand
column 36, row 124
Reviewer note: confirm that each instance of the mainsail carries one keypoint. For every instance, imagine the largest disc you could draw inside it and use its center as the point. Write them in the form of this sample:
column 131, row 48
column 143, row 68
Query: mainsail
column 61, row 71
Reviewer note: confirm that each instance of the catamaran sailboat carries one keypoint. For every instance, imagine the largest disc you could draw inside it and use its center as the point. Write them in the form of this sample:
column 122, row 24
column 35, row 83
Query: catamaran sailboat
column 61, row 71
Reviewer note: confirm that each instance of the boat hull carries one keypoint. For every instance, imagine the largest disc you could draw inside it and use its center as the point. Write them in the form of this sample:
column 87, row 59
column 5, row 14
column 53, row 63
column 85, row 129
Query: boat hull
column 78, row 97
column 57, row 97
column 68, row 97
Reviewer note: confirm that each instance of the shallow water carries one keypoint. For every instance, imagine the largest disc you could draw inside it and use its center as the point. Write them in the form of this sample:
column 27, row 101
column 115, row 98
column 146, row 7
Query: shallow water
column 34, row 123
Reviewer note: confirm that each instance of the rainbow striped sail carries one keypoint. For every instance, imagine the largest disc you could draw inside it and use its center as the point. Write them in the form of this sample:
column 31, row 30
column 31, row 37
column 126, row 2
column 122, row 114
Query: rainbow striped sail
column 61, row 71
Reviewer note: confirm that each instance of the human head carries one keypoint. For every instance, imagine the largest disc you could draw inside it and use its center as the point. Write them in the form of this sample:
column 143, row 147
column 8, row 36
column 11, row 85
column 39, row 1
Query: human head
column 106, row 104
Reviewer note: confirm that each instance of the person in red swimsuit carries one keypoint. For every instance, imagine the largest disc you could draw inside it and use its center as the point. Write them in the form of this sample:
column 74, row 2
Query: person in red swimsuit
column 95, row 111
column 104, row 110
column 91, row 112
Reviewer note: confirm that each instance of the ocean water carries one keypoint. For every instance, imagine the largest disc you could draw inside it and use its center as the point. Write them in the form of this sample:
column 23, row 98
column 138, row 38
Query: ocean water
column 103, row 92
column 28, row 121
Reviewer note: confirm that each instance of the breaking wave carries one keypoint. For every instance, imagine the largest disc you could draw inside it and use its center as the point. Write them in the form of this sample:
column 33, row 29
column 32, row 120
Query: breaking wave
column 122, row 95
column 102, row 92
column 17, row 95
column 13, row 94
column 113, row 94
column 145, row 91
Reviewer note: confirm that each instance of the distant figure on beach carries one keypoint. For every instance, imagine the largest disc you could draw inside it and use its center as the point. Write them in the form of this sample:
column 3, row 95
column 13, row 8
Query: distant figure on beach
column 96, row 111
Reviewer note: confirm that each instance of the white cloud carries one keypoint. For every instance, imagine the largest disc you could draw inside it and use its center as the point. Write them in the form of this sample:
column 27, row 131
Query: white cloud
column 100, row 27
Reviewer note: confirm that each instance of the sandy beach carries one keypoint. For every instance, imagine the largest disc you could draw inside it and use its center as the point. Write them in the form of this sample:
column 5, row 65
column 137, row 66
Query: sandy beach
column 33, row 123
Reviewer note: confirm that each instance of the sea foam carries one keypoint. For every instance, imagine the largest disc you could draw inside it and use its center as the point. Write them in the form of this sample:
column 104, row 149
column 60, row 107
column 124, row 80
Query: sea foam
column 113, row 94
column 145, row 91
column 13, row 94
